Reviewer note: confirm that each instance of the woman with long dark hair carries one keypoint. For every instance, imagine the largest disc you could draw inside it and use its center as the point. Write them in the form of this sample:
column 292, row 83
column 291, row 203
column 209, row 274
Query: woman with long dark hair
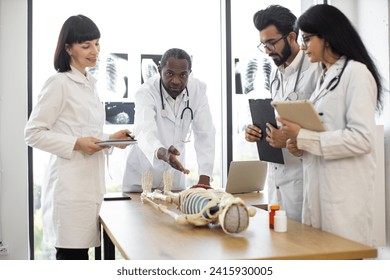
column 339, row 163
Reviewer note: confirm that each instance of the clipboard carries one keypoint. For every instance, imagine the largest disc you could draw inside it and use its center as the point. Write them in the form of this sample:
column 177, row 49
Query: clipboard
column 262, row 112
column 301, row 112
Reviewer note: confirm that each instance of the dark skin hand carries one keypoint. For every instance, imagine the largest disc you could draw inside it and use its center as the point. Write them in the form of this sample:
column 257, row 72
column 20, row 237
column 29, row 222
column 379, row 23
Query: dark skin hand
column 204, row 180
column 275, row 137
column 170, row 157
column 252, row 133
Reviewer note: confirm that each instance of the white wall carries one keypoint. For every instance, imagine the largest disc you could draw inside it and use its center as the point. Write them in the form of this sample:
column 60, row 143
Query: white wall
column 13, row 115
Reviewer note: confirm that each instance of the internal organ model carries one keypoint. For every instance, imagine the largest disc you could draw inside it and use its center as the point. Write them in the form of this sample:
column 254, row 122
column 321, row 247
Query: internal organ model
column 199, row 205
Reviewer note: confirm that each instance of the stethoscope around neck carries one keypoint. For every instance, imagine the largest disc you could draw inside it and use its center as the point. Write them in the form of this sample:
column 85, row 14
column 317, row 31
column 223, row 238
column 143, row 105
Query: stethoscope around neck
column 164, row 112
column 292, row 95
column 333, row 83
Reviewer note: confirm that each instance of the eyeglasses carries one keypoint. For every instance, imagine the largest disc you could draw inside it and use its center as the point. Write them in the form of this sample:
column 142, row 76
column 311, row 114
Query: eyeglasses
column 306, row 39
column 270, row 45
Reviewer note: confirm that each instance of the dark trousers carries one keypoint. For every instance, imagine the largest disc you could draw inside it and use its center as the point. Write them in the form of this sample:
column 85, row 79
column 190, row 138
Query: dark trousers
column 71, row 254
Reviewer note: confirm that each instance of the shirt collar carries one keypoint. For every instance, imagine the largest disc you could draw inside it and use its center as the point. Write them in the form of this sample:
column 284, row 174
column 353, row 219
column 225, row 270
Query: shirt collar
column 294, row 66
column 169, row 98
column 79, row 77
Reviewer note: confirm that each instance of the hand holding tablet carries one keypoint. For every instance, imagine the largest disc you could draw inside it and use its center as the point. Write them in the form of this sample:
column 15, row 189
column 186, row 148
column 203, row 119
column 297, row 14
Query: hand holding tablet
column 114, row 143
column 301, row 112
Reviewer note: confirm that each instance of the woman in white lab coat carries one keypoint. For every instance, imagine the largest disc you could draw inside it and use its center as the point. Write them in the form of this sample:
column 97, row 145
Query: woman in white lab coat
column 339, row 164
column 171, row 109
column 66, row 122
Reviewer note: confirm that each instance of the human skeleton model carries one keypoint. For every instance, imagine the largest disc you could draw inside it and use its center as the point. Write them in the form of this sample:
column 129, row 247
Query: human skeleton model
column 199, row 205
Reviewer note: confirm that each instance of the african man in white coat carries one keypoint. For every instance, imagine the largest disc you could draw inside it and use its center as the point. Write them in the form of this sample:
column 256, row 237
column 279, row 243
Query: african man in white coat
column 171, row 108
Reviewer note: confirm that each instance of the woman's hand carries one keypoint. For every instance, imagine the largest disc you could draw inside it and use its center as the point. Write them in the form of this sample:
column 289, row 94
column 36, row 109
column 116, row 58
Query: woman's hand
column 87, row 145
column 123, row 134
column 292, row 147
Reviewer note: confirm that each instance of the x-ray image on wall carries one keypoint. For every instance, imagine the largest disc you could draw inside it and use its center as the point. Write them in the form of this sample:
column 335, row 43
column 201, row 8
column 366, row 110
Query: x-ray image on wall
column 112, row 75
column 149, row 65
column 119, row 112
column 252, row 75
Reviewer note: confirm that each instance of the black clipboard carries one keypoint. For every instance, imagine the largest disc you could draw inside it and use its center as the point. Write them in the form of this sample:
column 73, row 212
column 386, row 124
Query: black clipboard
column 262, row 112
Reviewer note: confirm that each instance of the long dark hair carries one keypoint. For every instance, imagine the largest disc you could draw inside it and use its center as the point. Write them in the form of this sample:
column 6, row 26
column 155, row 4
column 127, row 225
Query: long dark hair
column 334, row 27
column 76, row 29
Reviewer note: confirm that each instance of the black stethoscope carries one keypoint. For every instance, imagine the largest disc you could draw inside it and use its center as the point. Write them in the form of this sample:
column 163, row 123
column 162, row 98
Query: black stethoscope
column 332, row 83
column 187, row 107
column 336, row 79
column 292, row 95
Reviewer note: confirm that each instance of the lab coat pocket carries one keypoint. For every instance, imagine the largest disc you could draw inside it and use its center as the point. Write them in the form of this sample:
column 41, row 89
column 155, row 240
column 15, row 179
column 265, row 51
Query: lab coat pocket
column 77, row 223
column 333, row 190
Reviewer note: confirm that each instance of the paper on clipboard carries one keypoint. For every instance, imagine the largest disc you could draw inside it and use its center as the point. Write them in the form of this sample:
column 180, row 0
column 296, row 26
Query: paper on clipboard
column 301, row 112
column 262, row 112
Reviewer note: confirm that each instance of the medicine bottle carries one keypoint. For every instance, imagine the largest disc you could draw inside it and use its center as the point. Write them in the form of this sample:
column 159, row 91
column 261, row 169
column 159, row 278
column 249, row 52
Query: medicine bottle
column 272, row 210
column 280, row 221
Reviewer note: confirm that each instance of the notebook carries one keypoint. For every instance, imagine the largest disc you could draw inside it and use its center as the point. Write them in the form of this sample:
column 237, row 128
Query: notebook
column 246, row 176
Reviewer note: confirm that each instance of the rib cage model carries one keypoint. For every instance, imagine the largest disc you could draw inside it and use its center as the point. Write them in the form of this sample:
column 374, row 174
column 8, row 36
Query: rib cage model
column 199, row 205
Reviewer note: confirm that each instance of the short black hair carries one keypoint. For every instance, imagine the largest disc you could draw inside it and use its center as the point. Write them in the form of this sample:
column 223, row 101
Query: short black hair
column 283, row 19
column 176, row 53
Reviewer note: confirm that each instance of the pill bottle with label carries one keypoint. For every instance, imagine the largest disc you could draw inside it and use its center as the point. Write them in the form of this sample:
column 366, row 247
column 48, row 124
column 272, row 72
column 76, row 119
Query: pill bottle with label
column 272, row 210
column 280, row 221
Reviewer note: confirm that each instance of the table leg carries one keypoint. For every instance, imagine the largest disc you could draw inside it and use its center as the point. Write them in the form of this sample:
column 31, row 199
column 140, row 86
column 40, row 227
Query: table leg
column 109, row 247
column 98, row 253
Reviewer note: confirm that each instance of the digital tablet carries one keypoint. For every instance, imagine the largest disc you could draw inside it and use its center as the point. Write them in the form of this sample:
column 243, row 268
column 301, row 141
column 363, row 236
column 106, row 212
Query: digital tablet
column 117, row 142
column 301, row 112
column 116, row 196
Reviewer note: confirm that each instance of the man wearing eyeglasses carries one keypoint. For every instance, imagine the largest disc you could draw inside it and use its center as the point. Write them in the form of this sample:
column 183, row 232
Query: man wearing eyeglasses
column 171, row 110
column 294, row 78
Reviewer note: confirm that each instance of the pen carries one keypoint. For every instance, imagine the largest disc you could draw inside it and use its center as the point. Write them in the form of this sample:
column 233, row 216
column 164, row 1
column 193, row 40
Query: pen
column 128, row 135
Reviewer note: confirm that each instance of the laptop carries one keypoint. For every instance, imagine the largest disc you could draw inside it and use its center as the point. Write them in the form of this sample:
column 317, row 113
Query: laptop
column 246, row 176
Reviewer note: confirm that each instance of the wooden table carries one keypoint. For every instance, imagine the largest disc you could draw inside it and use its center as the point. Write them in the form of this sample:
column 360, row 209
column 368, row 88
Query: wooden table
column 141, row 232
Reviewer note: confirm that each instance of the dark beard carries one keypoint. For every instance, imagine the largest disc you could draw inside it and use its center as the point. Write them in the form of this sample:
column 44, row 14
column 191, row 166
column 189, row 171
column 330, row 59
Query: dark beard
column 286, row 53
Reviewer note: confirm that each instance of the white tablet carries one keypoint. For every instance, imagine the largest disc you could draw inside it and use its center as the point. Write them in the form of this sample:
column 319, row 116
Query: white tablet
column 117, row 142
column 301, row 112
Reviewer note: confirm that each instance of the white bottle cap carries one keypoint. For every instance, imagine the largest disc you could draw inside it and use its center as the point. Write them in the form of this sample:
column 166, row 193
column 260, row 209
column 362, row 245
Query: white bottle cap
column 280, row 221
column 280, row 213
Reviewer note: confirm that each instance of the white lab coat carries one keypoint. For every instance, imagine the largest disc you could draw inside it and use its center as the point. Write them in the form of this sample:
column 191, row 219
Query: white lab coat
column 338, row 186
column 285, row 181
column 154, row 131
column 68, row 108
